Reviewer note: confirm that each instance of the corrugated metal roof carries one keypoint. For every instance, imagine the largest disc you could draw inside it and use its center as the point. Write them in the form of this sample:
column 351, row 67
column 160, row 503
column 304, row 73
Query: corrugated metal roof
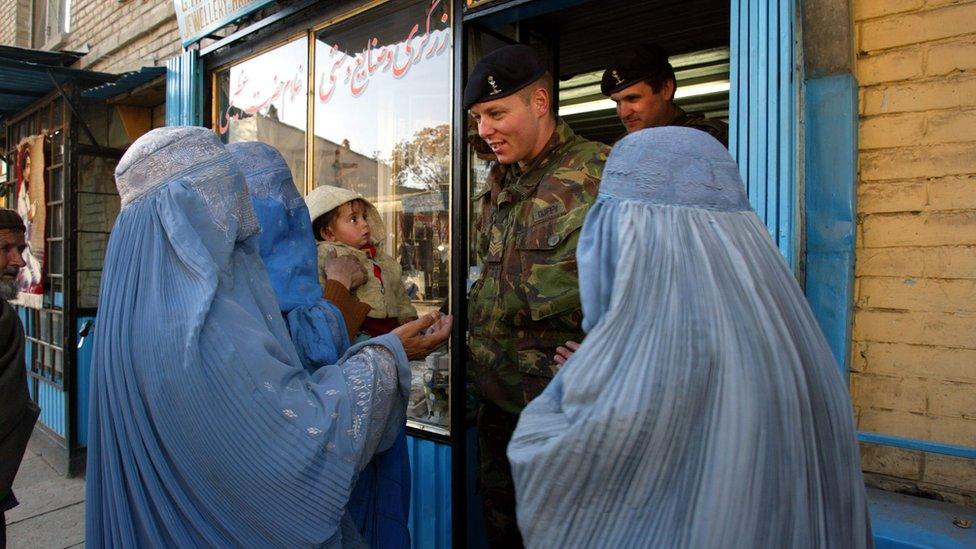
column 127, row 82
column 27, row 75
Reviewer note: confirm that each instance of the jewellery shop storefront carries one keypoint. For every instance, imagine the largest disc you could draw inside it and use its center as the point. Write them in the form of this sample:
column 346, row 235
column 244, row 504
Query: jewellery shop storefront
column 365, row 95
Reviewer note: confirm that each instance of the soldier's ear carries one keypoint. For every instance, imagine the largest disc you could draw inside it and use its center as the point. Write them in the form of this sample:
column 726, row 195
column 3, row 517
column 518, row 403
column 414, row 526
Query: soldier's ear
column 540, row 101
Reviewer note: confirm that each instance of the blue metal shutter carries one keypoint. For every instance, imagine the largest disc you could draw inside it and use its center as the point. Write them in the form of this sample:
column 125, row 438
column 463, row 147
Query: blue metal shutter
column 184, row 90
column 762, row 113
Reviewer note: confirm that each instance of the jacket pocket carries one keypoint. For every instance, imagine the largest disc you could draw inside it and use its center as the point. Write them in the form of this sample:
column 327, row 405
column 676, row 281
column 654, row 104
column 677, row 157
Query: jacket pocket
column 550, row 278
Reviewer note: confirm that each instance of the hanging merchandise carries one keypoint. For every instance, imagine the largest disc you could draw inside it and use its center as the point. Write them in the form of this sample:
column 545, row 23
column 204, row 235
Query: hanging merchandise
column 31, row 205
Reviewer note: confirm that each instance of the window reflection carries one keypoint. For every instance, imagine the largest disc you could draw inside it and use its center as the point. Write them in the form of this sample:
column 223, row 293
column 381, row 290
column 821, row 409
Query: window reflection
column 382, row 120
column 265, row 99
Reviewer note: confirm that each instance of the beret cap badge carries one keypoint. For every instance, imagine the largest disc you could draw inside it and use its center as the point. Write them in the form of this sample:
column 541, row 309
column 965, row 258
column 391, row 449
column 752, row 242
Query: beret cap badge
column 616, row 77
column 494, row 86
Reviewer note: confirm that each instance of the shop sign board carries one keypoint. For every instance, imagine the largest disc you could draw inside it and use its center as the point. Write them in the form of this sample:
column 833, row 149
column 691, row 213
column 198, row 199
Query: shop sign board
column 197, row 18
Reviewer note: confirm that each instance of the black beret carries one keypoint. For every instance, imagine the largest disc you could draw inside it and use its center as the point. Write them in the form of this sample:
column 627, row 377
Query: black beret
column 502, row 73
column 635, row 65
column 11, row 221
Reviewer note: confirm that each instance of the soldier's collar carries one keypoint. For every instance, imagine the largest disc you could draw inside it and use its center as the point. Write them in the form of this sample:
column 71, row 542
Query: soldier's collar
column 679, row 114
column 561, row 134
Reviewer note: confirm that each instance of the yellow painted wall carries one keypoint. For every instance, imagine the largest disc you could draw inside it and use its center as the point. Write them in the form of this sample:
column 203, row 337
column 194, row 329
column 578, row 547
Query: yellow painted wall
column 914, row 337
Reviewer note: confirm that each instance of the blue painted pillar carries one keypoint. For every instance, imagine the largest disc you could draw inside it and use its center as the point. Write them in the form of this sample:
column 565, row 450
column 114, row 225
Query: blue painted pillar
column 830, row 143
column 830, row 168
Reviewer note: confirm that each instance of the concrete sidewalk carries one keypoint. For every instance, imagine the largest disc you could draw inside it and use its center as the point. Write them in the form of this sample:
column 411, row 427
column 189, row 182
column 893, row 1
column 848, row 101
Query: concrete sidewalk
column 51, row 513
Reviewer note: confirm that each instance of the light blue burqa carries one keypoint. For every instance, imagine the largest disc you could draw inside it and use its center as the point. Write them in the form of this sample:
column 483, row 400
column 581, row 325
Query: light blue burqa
column 205, row 429
column 704, row 407
column 379, row 504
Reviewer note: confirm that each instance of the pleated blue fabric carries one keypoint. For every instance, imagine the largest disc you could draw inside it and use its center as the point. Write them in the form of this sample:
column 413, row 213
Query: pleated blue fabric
column 704, row 408
column 379, row 504
column 287, row 247
column 205, row 429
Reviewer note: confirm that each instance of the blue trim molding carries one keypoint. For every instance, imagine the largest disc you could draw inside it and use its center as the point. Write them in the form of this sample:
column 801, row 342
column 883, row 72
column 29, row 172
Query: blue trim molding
column 967, row 452
column 830, row 113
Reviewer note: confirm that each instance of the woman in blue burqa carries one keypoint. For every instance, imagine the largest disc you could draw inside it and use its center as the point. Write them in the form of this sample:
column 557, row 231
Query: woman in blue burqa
column 704, row 407
column 206, row 430
column 379, row 504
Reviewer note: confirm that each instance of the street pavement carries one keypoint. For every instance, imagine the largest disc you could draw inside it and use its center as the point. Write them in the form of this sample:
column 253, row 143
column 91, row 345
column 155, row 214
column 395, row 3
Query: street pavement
column 51, row 514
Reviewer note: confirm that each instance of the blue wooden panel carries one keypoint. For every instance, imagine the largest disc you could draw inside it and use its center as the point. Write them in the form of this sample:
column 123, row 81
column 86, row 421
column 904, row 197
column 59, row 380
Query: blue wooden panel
column 430, row 494
column 762, row 112
column 184, row 90
column 906, row 522
column 968, row 452
column 82, row 386
column 52, row 403
column 830, row 173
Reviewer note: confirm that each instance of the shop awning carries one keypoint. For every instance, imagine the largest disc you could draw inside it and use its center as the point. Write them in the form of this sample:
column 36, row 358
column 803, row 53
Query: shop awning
column 27, row 75
column 127, row 82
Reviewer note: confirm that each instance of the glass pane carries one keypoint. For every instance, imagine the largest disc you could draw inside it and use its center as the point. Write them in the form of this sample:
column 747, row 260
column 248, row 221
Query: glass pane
column 56, row 183
column 56, row 331
column 383, row 128
column 56, row 114
column 265, row 99
column 55, row 260
column 57, row 147
column 91, row 249
column 117, row 136
column 45, row 325
column 97, row 212
column 56, row 212
column 58, row 366
column 88, row 285
column 97, row 118
column 96, row 174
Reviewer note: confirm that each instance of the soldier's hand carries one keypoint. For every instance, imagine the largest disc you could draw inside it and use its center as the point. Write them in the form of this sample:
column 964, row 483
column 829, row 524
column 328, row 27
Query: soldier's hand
column 345, row 270
column 424, row 335
column 563, row 354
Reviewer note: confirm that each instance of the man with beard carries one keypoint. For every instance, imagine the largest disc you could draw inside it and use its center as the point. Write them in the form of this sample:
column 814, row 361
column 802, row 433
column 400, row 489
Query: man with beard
column 17, row 411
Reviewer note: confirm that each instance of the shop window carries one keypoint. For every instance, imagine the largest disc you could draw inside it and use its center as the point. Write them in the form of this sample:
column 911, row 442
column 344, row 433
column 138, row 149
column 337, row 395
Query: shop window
column 382, row 125
column 265, row 99
column 98, row 206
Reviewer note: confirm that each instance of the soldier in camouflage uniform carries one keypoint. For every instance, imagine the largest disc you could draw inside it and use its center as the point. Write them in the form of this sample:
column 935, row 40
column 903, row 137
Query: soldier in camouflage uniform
column 527, row 222
column 641, row 82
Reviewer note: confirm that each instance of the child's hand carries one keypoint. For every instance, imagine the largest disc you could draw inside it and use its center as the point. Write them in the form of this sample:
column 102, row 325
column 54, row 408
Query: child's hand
column 419, row 344
column 344, row 270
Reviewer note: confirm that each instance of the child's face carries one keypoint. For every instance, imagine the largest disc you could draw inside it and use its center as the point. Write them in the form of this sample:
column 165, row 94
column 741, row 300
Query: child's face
column 350, row 226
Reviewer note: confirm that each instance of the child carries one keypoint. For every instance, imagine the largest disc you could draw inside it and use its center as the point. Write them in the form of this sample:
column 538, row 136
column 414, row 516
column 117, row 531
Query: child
column 346, row 223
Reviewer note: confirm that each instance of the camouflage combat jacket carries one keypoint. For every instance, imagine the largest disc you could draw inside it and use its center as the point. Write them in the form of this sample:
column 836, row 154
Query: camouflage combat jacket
column 716, row 128
column 526, row 302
